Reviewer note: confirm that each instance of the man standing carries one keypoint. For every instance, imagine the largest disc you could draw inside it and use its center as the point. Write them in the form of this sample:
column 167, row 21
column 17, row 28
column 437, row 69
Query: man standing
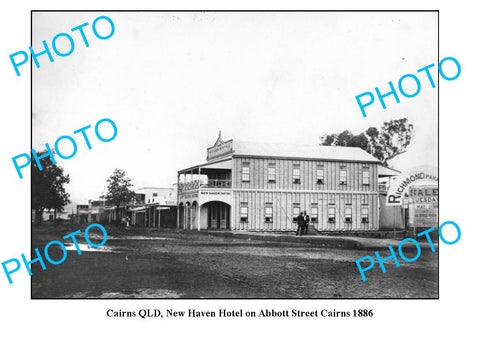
column 301, row 223
column 306, row 221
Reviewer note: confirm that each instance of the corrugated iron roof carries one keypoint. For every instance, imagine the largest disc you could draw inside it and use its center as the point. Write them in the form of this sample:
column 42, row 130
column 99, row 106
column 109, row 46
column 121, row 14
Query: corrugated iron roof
column 386, row 171
column 302, row 151
column 219, row 163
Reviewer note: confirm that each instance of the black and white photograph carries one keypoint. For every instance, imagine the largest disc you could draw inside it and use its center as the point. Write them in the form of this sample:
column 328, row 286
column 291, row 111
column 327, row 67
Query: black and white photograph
column 208, row 169
column 227, row 157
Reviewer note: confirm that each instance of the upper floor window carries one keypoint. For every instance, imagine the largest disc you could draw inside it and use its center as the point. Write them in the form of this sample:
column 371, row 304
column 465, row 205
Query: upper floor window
column 268, row 212
column 155, row 194
column 320, row 174
column 246, row 172
column 343, row 175
column 366, row 176
column 271, row 172
column 243, row 212
column 296, row 173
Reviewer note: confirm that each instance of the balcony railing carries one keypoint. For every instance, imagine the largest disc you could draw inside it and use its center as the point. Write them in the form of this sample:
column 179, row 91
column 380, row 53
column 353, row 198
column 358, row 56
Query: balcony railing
column 217, row 183
column 189, row 185
column 211, row 183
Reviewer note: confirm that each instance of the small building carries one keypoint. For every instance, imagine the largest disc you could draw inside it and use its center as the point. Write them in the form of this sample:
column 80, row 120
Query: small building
column 50, row 215
column 391, row 217
column 157, row 210
column 96, row 211
column 263, row 187
column 150, row 207
column 81, row 215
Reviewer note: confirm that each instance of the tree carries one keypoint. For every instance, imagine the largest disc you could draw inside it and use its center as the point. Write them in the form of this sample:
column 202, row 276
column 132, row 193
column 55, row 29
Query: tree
column 390, row 141
column 48, row 191
column 118, row 191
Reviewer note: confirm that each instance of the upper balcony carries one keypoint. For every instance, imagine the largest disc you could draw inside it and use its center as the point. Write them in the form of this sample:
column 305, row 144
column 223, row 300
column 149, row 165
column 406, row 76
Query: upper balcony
column 214, row 175
column 210, row 183
column 217, row 183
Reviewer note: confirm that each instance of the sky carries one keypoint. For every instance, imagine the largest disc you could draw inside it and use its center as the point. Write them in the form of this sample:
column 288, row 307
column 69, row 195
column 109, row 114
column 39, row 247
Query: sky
column 170, row 81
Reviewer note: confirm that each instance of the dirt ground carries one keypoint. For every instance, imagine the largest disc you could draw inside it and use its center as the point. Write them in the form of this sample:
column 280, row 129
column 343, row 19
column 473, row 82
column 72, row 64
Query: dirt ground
column 175, row 264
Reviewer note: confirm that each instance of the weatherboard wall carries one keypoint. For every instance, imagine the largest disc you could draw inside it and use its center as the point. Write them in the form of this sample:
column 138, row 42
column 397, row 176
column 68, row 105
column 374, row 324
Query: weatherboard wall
column 308, row 171
column 283, row 194
column 283, row 203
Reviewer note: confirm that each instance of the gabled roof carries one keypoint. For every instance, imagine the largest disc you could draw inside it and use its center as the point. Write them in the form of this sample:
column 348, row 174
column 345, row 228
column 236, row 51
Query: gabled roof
column 320, row 152
column 219, row 139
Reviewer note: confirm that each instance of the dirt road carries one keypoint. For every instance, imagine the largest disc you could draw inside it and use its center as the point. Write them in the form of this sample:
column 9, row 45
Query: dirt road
column 172, row 264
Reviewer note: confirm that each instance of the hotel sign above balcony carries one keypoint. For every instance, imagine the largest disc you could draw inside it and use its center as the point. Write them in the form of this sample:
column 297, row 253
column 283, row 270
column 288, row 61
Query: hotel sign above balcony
column 214, row 195
column 220, row 149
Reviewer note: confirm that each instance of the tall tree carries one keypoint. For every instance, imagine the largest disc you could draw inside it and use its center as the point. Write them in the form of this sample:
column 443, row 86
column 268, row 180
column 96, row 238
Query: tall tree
column 390, row 141
column 118, row 190
column 48, row 191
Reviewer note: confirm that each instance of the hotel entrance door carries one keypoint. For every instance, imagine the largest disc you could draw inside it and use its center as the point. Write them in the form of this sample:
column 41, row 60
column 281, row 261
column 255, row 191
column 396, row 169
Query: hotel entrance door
column 218, row 215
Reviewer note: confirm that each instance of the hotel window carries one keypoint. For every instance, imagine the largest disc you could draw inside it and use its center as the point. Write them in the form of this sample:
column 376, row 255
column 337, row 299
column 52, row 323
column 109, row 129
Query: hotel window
column 296, row 211
column 155, row 194
column 246, row 172
column 319, row 174
column 314, row 213
column 343, row 175
column 296, row 173
column 348, row 214
column 364, row 215
column 331, row 214
column 268, row 212
column 271, row 172
column 243, row 212
column 366, row 176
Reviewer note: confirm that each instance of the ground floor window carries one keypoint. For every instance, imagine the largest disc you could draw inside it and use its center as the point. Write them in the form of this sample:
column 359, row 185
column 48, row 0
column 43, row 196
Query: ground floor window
column 314, row 213
column 296, row 212
column 348, row 214
column 364, row 214
column 268, row 212
column 331, row 214
column 243, row 212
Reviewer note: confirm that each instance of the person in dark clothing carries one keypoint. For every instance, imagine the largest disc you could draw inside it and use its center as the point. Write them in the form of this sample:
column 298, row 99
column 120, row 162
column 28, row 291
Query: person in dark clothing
column 301, row 223
column 306, row 221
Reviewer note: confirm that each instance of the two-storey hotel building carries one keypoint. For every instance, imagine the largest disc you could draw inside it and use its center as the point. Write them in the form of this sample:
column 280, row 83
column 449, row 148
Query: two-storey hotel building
column 263, row 187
